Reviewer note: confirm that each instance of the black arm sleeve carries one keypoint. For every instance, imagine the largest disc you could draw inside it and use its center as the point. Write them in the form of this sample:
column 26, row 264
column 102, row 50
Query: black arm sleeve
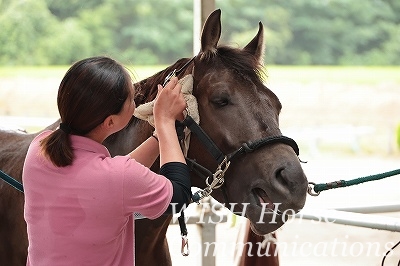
column 178, row 173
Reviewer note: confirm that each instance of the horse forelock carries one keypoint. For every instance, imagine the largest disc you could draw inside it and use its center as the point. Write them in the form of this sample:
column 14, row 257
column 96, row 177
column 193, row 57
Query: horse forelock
column 243, row 64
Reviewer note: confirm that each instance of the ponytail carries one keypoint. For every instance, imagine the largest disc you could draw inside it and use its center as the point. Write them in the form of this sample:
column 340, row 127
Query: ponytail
column 57, row 147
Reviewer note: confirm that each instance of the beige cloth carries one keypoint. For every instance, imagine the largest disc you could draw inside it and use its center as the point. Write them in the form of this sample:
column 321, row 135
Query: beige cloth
column 145, row 111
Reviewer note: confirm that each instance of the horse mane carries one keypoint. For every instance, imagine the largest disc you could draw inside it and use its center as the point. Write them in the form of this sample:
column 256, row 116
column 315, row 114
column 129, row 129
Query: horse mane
column 246, row 66
column 146, row 90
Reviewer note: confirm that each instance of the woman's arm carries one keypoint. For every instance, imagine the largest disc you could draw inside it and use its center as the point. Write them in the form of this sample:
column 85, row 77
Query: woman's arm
column 168, row 108
column 147, row 152
column 178, row 174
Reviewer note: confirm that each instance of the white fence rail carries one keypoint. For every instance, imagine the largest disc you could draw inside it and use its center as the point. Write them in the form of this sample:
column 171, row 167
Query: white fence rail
column 352, row 218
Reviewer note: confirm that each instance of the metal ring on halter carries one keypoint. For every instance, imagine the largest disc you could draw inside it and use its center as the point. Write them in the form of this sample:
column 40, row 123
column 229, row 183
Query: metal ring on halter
column 310, row 189
column 185, row 112
column 216, row 179
column 168, row 78
column 207, row 183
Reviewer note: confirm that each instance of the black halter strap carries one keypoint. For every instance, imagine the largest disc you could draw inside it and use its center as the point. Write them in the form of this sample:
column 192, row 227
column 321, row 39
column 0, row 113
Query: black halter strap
column 254, row 145
column 247, row 147
column 204, row 138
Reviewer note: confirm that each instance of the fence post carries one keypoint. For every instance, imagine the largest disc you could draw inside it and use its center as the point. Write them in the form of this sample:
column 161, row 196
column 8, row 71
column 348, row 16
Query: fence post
column 208, row 240
column 208, row 223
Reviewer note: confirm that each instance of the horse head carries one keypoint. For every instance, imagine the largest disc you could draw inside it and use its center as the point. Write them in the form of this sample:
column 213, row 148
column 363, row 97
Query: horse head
column 235, row 108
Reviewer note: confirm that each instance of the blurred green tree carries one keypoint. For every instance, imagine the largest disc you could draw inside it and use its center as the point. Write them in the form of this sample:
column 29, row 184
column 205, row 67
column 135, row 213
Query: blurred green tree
column 302, row 32
column 23, row 25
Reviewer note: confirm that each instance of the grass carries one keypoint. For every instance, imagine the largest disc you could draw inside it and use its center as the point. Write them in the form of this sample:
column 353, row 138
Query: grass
column 32, row 71
column 335, row 74
column 139, row 72
column 313, row 98
column 298, row 74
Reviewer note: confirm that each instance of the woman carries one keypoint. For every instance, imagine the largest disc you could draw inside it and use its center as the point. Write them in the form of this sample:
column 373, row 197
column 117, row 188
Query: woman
column 78, row 200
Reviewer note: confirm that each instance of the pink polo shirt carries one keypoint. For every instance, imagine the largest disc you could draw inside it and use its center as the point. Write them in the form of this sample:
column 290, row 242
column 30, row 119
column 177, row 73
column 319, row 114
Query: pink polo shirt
column 82, row 214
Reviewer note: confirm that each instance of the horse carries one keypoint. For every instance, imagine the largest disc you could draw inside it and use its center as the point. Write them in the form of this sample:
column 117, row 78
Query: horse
column 240, row 117
column 14, row 239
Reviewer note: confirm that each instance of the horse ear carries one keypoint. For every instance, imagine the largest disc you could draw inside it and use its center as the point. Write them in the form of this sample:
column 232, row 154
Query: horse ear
column 211, row 32
column 256, row 46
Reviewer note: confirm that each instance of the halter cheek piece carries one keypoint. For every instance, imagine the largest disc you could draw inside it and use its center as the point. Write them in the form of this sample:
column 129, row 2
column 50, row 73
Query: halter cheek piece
column 216, row 180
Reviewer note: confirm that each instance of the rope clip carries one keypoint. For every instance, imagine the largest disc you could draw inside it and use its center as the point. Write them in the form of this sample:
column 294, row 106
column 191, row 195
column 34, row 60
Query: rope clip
column 185, row 246
column 311, row 191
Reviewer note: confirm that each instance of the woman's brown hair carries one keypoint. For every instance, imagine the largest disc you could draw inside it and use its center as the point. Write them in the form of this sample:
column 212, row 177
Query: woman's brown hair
column 91, row 90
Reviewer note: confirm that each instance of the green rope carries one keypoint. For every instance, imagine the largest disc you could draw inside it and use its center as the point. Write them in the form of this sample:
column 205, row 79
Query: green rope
column 11, row 181
column 343, row 183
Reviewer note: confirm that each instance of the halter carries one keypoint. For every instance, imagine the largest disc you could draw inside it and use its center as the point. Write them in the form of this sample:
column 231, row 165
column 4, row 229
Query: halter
column 216, row 180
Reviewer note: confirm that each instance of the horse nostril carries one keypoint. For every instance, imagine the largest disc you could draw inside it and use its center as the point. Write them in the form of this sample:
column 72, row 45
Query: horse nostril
column 281, row 176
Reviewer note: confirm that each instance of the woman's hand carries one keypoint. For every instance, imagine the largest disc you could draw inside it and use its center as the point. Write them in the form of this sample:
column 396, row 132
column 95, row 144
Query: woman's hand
column 170, row 103
column 168, row 107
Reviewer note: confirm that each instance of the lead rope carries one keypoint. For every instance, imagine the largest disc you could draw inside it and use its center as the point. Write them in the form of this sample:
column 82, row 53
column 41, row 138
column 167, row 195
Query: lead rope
column 315, row 189
column 185, row 241
column 181, row 219
column 11, row 181
column 387, row 253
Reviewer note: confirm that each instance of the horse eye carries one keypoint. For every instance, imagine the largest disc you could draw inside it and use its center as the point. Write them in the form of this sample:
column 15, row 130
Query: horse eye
column 220, row 102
